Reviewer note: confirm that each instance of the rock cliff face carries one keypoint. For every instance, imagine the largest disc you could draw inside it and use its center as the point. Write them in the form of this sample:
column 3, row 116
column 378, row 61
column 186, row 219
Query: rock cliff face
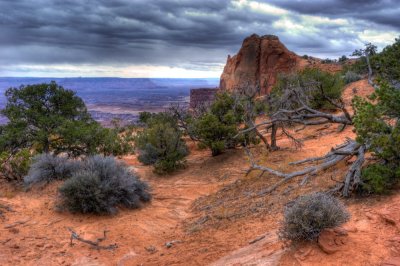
column 201, row 96
column 258, row 62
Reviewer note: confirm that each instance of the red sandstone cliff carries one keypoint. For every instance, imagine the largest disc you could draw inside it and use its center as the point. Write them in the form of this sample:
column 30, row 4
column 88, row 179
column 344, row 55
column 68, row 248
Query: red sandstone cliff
column 260, row 60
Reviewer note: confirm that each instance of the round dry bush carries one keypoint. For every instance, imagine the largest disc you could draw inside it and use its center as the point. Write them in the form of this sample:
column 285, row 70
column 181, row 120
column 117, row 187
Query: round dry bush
column 101, row 186
column 47, row 167
column 308, row 215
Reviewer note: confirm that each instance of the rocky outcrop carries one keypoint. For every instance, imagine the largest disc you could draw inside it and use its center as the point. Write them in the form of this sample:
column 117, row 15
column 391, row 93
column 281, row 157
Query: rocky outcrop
column 258, row 62
column 201, row 96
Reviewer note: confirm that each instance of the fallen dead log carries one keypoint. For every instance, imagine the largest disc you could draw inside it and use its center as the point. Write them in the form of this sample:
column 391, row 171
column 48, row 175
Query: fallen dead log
column 342, row 152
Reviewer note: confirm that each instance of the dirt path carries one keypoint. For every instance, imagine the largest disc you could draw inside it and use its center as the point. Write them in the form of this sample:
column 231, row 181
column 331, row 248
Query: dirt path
column 35, row 234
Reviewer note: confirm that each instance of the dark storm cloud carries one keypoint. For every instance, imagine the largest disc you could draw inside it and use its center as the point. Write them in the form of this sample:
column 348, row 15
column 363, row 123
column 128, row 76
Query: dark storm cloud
column 383, row 12
column 191, row 34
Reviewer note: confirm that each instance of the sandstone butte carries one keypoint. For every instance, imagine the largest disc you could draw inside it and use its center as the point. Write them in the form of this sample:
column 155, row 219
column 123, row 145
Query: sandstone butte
column 260, row 60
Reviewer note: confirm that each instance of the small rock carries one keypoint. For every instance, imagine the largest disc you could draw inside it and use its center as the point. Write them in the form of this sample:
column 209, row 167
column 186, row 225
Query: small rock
column 40, row 245
column 350, row 229
column 330, row 241
column 151, row 249
column 169, row 244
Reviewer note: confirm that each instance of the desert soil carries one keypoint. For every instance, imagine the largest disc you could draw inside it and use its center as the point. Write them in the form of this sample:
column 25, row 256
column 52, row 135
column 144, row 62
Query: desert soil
column 209, row 213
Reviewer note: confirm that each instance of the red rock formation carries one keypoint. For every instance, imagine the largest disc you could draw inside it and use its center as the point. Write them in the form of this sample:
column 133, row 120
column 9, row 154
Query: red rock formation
column 201, row 96
column 260, row 60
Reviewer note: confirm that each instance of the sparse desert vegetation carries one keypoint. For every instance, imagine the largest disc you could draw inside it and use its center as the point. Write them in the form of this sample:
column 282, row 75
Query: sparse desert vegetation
column 295, row 161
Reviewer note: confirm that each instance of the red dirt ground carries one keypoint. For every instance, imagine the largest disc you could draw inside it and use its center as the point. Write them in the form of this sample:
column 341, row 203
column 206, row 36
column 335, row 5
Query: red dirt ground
column 210, row 213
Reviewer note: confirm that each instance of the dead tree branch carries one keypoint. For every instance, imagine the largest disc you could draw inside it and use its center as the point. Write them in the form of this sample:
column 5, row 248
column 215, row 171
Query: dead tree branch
column 336, row 155
column 93, row 244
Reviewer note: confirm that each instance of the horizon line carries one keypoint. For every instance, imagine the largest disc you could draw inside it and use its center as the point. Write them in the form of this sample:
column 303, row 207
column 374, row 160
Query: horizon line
column 86, row 77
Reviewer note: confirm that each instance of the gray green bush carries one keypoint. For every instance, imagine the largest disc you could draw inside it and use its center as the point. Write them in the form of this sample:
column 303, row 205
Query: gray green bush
column 351, row 76
column 47, row 167
column 308, row 215
column 101, row 186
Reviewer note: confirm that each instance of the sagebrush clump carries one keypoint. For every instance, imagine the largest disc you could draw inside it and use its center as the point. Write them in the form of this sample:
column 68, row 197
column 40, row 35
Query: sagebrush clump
column 47, row 167
column 351, row 76
column 101, row 186
column 310, row 214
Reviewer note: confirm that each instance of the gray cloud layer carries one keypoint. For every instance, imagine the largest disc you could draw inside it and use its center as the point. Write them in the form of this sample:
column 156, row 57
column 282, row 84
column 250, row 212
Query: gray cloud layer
column 190, row 34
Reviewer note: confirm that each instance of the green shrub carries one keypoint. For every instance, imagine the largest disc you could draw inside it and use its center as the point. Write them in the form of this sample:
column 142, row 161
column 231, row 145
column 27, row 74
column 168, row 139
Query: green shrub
column 48, row 118
column 101, row 186
column 160, row 144
column 377, row 126
column 311, row 81
column 310, row 214
column 351, row 76
column 378, row 178
column 217, row 126
column 14, row 166
column 384, row 64
column 387, row 64
column 342, row 59
column 327, row 61
column 48, row 167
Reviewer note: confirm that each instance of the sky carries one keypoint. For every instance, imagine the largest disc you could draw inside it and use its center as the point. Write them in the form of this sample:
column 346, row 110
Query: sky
column 177, row 38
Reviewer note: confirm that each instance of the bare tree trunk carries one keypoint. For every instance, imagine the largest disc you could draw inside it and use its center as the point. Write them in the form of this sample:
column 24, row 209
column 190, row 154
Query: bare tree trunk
column 274, row 129
column 369, row 70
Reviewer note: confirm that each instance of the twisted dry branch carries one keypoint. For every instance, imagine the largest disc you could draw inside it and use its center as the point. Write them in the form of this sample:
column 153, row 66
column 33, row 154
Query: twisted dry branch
column 342, row 152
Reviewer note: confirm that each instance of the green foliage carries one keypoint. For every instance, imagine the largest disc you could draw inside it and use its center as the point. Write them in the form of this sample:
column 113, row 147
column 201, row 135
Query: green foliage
column 217, row 127
column 144, row 117
column 359, row 67
column 351, row 76
column 377, row 122
column 378, row 178
column 311, row 81
column 35, row 112
column 387, row 62
column 14, row 166
column 102, row 185
column 377, row 126
column 89, row 138
column 327, row 61
column 160, row 143
column 342, row 59
column 308, row 215
column 47, row 117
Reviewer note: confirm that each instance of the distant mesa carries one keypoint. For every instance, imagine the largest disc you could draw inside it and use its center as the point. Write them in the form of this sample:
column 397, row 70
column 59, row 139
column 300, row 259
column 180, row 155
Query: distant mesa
column 260, row 60
column 201, row 96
